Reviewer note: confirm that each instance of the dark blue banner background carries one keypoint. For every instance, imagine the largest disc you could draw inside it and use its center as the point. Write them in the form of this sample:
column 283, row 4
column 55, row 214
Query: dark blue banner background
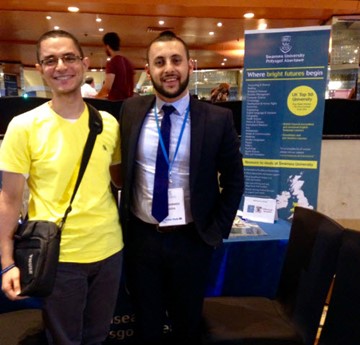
column 285, row 75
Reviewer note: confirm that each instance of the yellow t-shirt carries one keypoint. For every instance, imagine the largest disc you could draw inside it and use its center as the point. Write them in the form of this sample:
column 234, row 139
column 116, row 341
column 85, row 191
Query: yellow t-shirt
column 48, row 148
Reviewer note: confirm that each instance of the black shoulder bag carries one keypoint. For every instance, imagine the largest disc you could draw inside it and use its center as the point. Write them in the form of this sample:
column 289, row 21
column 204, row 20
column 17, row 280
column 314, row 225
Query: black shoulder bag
column 37, row 242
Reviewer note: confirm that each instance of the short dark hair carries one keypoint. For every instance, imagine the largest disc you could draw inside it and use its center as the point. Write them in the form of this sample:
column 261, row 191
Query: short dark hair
column 167, row 36
column 54, row 34
column 89, row 79
column 112, row 40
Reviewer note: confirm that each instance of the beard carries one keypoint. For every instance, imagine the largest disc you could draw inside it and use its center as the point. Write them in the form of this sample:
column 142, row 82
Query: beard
column 171, row 94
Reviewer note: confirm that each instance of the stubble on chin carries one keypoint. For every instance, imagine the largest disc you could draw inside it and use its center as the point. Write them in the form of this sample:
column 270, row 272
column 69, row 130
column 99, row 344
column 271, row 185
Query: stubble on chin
column 171, row 94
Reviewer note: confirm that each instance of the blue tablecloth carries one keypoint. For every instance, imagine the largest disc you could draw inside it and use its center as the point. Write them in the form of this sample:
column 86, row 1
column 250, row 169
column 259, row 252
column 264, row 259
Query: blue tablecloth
column 250, row 265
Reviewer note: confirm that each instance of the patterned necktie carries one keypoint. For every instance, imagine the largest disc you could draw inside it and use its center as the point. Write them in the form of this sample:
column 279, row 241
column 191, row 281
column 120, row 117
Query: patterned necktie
column 160, row 204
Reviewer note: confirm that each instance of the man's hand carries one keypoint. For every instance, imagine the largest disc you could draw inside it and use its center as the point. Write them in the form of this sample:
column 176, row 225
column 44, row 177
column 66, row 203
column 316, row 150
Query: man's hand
column 11, row 284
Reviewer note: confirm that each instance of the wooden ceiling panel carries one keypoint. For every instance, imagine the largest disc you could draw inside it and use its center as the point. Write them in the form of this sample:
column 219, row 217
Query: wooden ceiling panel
column 22, row 23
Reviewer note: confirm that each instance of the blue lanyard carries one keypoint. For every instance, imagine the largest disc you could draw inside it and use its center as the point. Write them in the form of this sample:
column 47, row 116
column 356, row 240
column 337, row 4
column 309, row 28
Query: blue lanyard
column 170, row 164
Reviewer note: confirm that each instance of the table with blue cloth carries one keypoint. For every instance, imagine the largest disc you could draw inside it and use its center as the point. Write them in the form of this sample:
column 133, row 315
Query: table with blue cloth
column 250, row 265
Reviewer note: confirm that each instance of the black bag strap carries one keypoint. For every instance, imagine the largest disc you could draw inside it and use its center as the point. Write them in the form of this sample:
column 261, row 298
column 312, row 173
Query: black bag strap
column 95, row 128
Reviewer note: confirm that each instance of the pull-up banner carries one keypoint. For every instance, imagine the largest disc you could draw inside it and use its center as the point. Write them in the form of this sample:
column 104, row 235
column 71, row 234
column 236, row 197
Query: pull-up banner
column 284, row 83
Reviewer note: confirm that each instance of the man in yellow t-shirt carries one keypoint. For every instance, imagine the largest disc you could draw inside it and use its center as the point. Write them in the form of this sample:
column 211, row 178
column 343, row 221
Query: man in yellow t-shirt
column 43, row 147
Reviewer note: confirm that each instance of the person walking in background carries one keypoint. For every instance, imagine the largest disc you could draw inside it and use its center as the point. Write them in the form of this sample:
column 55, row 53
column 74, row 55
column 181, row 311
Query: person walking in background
column 43, row 147
column 88, row 88
column 119, row 74
column 172, row 222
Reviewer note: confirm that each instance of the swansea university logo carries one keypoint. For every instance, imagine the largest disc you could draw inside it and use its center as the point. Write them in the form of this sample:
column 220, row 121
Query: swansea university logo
column 286, row 44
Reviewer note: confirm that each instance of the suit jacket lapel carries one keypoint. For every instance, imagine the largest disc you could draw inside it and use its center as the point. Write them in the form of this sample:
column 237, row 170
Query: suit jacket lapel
column 197, row 133
column 137, row 118
column 197, row 113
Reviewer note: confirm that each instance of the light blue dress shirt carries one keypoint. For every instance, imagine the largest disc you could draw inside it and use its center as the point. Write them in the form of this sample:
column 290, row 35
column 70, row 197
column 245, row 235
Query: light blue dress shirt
column 146, row 158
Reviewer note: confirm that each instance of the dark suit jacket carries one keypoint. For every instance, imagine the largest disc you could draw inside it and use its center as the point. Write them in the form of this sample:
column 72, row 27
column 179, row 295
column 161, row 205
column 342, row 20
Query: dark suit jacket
column 215, row 161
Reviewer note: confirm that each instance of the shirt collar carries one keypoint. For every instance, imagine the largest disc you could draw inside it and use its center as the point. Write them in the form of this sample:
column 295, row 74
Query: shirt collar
column 180, row 105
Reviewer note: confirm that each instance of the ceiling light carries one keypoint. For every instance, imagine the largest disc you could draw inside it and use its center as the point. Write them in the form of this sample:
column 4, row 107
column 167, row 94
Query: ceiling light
column 223, row 64
column 219, row 24
column 249, row 15
column 225, row 59
column 98, row 19
column 56, row 27
column 101, row 29
column 211, row 33
column 48, row 17
column 161, row 22
column 73, row 9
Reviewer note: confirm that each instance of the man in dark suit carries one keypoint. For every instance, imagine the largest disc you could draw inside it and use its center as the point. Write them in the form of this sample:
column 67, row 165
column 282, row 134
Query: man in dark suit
column 168, row 251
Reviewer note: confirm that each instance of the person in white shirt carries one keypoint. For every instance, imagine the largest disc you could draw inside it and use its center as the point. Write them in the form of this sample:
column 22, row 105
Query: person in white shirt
column 88, row 88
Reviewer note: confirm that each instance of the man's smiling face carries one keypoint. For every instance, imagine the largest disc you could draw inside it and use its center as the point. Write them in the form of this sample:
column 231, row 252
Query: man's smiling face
column 169, row 69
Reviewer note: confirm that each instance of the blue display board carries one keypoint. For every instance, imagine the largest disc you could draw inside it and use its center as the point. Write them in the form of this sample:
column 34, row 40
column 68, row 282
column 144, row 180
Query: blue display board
column 11, row 85
column 284, row 83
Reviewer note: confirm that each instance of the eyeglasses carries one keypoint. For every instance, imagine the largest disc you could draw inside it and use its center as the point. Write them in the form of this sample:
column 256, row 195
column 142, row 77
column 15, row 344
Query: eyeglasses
column 67, row 59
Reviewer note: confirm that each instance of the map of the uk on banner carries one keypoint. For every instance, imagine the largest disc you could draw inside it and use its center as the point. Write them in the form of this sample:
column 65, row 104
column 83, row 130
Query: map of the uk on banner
column 284, row 83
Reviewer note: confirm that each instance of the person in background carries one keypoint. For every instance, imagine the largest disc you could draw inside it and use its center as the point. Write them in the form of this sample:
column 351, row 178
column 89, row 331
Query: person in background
column 88, row 88
column 43, row 147
column 168, row 249
column 119, row 73
column 220, row 93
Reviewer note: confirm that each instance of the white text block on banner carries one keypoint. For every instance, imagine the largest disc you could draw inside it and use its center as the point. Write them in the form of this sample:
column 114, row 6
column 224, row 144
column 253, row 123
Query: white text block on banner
column 260, row 209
